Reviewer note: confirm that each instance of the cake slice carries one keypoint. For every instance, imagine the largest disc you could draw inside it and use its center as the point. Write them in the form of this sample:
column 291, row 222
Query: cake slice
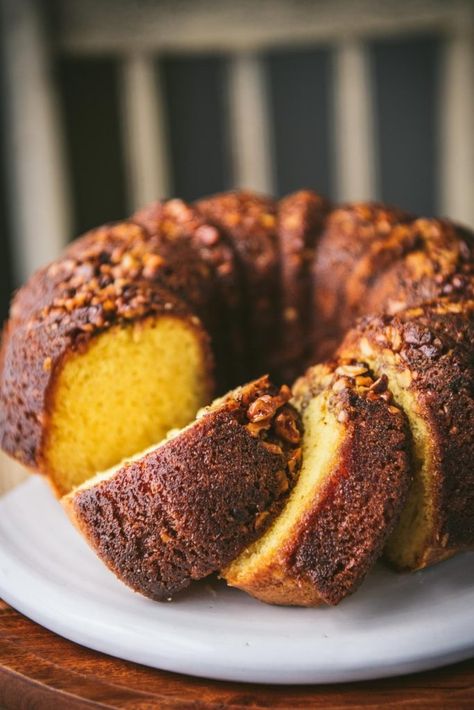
column 187, row 507
column 98, row 353
column 348, row 496
column 249, row 223
column 301, row 218
column 427, row 356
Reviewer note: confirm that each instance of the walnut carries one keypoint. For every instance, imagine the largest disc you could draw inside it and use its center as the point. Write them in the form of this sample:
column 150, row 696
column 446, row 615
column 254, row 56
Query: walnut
column 286, row 426
column 352, row 370
column 262, row 409
column 380, row 385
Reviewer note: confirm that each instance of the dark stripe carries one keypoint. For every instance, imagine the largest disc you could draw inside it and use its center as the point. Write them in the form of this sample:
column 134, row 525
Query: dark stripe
column 194, row 91
column 300, row 107
column 6, row 265
column 89, row 91
column 406, row 76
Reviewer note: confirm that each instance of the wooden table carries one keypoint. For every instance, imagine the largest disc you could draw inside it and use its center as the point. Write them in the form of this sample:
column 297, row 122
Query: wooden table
column 43, row 671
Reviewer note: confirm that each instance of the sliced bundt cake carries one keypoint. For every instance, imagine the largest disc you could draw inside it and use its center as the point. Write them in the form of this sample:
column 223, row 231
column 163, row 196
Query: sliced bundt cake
column 187, row 507
column 113, row 345
column 352, row 484
column 427, row 356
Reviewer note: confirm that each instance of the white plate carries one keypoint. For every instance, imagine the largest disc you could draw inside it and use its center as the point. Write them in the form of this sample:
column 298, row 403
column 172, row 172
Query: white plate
column 393, row 624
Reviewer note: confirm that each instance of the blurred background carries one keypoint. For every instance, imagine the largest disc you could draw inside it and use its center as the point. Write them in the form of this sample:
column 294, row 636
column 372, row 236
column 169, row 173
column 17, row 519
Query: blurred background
column 107, row 104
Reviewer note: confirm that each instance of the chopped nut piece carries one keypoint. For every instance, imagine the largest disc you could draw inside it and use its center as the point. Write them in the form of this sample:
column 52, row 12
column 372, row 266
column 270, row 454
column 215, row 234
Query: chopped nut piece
column 351, row 370
column 340, row 384
column 294, row 460
column 343, row 416
column 380, row 385
column 262, row 408
column 272, row 448
column 364, row 381
column 256, row 428
column 286, row 427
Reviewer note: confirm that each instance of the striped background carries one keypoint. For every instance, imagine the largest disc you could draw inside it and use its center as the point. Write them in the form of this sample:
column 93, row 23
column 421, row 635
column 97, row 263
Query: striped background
column 401, row 158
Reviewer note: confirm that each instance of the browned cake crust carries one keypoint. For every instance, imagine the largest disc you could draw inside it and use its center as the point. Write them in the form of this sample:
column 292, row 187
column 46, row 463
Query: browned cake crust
column 337, row 539
column 385, row 265
column 125, row 250
column 433, row 347
column 301, row 217
column 249, row 221
column 351, row 233
column 175, row 219
column 106, row 278
column 189, row 506
column 435, row 258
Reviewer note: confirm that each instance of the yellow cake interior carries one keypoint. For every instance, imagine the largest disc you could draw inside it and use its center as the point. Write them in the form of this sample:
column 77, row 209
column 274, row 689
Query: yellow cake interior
column 406, row 545
column 131, row 385
column 321, row 443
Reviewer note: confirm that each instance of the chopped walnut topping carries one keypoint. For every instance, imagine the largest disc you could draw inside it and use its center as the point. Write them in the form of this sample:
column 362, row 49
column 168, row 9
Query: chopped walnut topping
column 262, row 409
column 343, row 416
column 351, row 370
column 286, row 426
column 380, row 385
column 272, row 448
column 362, row 381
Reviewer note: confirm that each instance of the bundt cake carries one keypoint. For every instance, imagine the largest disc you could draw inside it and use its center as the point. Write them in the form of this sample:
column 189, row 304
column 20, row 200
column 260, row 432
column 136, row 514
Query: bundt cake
column 187, row 507
column 139, row 324
column 352, row 483
column 426, row 356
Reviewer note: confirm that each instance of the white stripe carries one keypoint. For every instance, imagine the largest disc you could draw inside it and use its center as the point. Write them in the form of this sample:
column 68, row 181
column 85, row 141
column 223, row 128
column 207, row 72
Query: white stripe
column 354, row 136
column 38, row 194
column 457, row 129
column 243, row 25
column 144, row 131
column 249, row 125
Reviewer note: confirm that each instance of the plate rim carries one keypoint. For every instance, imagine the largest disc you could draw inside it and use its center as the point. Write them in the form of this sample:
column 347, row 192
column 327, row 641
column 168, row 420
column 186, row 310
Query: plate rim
column 262, row 673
